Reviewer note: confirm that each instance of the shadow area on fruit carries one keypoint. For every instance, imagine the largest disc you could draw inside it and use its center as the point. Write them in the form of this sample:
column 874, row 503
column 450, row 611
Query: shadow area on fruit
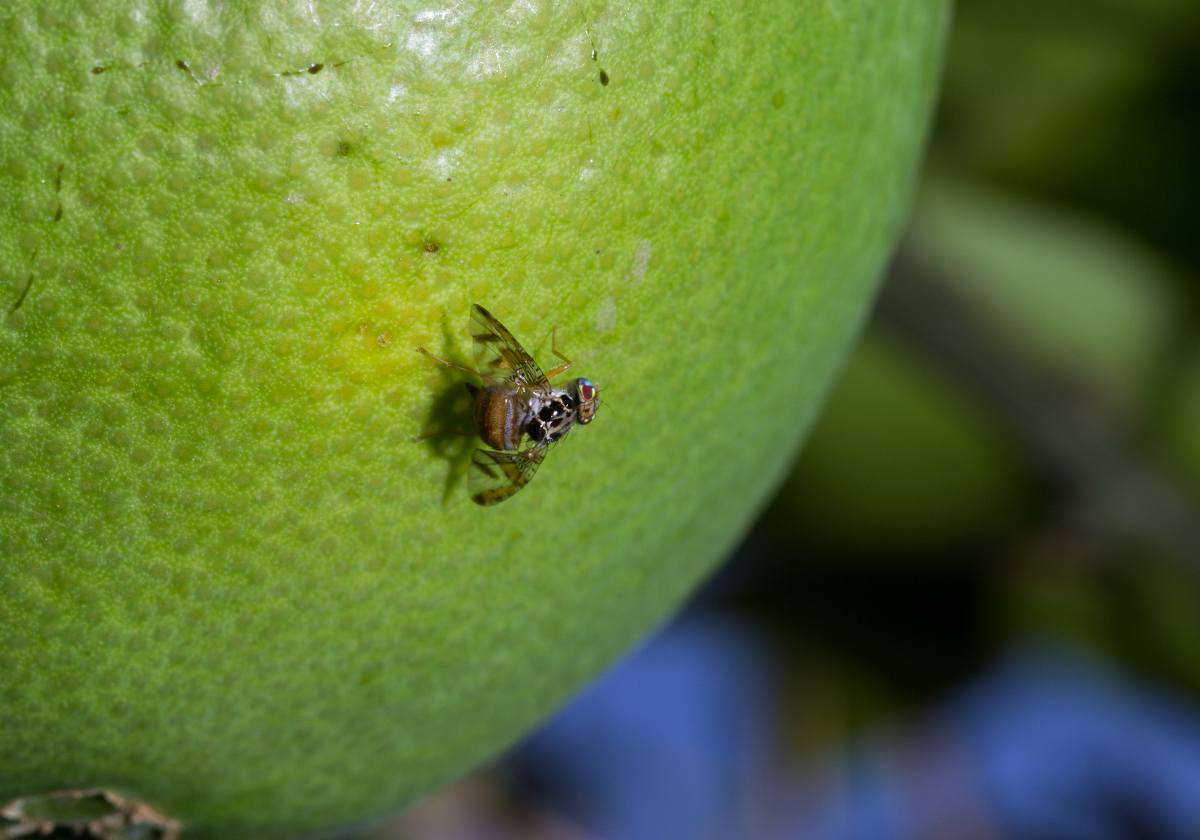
column 448, row 430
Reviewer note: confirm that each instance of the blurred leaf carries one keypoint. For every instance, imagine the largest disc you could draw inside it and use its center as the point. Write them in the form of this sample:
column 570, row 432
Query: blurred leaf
column 1182, row 426
column 1076, row 294
column 1091, row 103
column 900, row 462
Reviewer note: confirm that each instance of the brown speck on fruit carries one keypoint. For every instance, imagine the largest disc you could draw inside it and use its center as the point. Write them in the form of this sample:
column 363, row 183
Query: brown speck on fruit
column 604, row 78
column 98, row 69
column 92, row 813
column 58, row 211
column 343, row 148
column 431, row 246
column 58, row 171
column 383, row 339
column 316, row 68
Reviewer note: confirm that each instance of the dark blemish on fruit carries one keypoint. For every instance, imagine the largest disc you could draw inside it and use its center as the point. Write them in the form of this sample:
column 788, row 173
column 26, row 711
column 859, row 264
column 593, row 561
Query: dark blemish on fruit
column 98, row 69
column 21, row 297
column 203, row 82
column 58, row 177
column 604, row 78
column 312, row 69
column 343, row 148
column 431, row 246
column 58, row 211
column 187, row 68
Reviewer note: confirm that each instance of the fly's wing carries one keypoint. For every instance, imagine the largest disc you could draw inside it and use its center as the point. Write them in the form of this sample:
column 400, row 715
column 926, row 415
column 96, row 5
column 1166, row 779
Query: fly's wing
column 496, row 476
column 499, row 357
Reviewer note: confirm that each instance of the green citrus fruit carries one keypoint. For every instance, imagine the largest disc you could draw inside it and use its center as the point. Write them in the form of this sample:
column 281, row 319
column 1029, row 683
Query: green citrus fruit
column 232, row 584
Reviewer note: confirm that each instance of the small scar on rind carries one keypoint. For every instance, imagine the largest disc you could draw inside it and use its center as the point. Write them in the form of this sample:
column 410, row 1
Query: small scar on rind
column 58, row 211
column 312, row 69
column 604, row 77
column 98, row 69
column 187, row 68
column 21, row 297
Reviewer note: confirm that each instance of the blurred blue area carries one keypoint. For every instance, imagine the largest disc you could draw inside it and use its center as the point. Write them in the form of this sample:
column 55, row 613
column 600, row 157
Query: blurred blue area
column 676, row 741
column 1068, row 747
column 685, row 739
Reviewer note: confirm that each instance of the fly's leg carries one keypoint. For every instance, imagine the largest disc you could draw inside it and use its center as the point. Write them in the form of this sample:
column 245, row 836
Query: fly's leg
column 448, row 364
column 566, row 363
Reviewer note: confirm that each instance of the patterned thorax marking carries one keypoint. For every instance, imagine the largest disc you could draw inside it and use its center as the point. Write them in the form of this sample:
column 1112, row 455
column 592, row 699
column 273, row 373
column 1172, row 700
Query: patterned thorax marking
column 552, row 419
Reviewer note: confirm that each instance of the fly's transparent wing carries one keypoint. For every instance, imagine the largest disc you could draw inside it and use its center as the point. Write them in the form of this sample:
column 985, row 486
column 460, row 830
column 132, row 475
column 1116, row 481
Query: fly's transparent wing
column 496, row 476
column 499, row 357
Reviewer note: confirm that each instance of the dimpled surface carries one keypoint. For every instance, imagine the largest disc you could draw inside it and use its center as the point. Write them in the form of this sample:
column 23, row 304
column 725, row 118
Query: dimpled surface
column 231, row 583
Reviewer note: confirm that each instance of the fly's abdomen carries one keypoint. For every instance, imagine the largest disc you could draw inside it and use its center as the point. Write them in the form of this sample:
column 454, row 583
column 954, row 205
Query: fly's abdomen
column 499, row 417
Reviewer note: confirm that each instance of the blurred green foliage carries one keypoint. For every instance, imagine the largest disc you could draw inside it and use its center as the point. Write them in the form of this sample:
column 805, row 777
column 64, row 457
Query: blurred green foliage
column 1182, row 423
column 900, row 462
column 1026, row 460
column 1091, row 103
column 1076, row 294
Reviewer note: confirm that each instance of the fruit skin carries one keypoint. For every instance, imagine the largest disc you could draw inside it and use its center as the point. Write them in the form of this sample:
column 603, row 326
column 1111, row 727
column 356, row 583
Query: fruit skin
column 232, row 585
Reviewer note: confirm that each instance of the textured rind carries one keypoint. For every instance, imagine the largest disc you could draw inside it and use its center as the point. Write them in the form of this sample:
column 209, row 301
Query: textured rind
column 231, row 584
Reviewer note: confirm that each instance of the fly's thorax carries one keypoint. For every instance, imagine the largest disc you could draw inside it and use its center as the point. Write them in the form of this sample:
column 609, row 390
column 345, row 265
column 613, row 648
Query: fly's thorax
column 502, row 414
column 552, row 417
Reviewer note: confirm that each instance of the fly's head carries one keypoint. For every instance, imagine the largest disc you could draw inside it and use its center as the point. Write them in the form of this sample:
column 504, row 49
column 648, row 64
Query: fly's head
column 587, row 399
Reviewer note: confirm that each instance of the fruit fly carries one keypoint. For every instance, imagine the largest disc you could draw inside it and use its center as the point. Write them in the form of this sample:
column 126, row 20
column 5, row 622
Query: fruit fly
column 517, row 412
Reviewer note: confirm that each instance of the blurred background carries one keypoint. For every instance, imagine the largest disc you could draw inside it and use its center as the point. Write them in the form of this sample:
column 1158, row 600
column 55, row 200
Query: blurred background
column 973, row 609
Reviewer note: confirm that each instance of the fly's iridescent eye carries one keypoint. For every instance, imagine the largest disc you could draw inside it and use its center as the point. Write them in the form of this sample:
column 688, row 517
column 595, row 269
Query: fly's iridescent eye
column 587, row 391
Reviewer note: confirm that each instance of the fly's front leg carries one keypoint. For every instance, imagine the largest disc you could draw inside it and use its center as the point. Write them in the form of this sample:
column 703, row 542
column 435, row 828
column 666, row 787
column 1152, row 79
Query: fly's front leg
column 566, row 363
column 442, row 361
